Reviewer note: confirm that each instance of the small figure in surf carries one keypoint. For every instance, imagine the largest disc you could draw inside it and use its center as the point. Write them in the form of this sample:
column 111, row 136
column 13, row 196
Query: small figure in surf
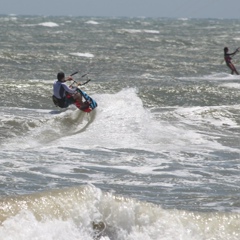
column 227, row 58
column 63, row 95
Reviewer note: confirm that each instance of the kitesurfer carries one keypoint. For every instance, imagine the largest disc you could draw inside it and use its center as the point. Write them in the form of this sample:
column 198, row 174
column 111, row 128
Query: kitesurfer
column 227, row 58
column 63, row 95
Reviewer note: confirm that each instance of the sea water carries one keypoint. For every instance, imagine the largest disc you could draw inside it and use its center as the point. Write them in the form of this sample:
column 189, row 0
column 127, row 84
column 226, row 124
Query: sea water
column 157, row 159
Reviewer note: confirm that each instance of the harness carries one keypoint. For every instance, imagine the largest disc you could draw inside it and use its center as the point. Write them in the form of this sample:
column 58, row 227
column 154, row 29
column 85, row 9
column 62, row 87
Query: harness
column 59, row 102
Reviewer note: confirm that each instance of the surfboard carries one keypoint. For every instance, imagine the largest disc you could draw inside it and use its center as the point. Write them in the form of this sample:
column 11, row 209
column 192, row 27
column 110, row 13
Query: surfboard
column 91, row 101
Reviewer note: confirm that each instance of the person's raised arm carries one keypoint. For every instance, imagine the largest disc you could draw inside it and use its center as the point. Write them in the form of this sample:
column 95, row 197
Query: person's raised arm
column 232, row 54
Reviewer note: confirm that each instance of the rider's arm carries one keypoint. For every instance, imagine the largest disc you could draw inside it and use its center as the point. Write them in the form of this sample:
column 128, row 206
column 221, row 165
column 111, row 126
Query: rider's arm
column 231, row 54
column 67, row 89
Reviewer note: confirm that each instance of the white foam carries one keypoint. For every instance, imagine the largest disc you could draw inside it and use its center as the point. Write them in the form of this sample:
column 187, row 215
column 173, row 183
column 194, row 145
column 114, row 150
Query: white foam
column 127, row 124
column 92, row 22
column 124, row 124
column 213, row 77
column 231, row 85
column 55, row 229
column 78, row 54
column 41, row 126
column 133, row 31
column 215, row 116
column 48, row 24
column 151, row 31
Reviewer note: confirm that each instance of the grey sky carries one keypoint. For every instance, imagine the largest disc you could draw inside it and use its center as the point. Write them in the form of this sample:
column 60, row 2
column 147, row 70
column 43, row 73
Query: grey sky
column 129, row 8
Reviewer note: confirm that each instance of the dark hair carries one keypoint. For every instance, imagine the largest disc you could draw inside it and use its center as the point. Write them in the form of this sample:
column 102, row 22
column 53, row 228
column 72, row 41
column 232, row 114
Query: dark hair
column 60, row 76
column 225, row 49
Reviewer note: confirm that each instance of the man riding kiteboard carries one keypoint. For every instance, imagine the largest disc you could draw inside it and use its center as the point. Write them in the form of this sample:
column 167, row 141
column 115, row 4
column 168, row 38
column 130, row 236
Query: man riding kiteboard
column 63, row 95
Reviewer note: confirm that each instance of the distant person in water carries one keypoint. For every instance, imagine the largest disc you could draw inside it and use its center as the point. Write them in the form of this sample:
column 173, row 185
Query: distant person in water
column 227, row 58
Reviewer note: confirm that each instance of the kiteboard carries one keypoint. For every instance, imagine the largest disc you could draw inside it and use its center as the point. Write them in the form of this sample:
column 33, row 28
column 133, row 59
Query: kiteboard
column 89, row 102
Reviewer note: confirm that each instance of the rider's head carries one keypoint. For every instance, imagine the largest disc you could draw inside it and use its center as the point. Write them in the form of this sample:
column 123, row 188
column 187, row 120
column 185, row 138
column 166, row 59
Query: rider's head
column 60, row 76
column 225, row 49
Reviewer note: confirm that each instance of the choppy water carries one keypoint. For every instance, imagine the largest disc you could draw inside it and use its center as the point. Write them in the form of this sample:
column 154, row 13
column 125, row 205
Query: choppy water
column 159, row 157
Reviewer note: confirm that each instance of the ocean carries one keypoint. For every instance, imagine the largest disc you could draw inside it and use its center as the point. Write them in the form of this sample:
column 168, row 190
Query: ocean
column 158, row 159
